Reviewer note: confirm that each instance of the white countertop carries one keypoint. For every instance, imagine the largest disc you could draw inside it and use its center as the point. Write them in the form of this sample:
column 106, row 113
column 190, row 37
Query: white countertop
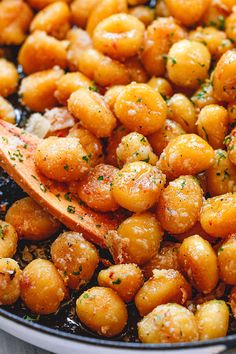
column 12, row 345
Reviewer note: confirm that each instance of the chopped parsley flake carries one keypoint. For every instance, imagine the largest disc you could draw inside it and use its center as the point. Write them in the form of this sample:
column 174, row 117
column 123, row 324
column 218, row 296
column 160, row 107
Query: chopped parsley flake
column 71, row 209
column 117, row 281
column 100, row 178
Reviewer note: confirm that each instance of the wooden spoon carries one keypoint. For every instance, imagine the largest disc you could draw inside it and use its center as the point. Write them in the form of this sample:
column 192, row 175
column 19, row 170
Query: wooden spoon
column 17, row 149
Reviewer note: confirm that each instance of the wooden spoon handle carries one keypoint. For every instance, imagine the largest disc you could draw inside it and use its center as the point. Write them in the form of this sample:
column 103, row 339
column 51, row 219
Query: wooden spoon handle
column 17, row 149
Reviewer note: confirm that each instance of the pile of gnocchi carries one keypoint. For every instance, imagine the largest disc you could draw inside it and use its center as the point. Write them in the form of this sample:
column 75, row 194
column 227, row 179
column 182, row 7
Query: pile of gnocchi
column 135, row 105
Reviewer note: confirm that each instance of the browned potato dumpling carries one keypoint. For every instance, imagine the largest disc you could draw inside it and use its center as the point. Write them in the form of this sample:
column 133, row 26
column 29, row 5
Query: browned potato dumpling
column 137, row 186
column 15, row 17
column 159, row 37
column 140, row 108
column 162, row 137
column 218, row 215
column 80, row 11
column 187, row 12
column 37, row 90
column 125, row 279
column 212, row 319
column 69, row 83
column 188, row 63
column 7, row 112
column 230, row 142
column 230, row 24
column 165, row 258
column 8, row 240
column 111, row 95
column 104, row 70
column 221, row 177
column 165, row 286
column 53, row 19
column 47, row 52
column 162, row 86
column 75, row 258
column 135, row 147
column 217, row 116
column 104, row 9
column 180, row 204
column 30, row 221
column 102, row 311
column 8, row 78
column 187, row 154
column 9, row 281
column 181, row 110
column 142, row 235
column 89, row 107
column 224, row 77
column 215, row 40
column 232, row 114
column 170, row 323
column 89, row 141
column 62, row 159
column 227, row 260
column 162, row 9
column 42, row 288
column 95, row 188
column 79, row 41
column 198, row 262
column 143, row 13
column 119, row 36
column 113, row 143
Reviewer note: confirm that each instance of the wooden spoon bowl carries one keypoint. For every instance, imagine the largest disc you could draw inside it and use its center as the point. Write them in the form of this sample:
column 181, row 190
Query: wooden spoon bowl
column 17, row 148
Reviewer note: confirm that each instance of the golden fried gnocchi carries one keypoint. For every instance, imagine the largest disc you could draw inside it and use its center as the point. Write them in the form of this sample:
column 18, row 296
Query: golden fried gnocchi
column 218, row 215
column 217, row 116
column 135, row 147
column 169, row 323
column 113, row 143
column 187, row 154
column 221, row 177
column 224, row 77
column 62, row 159
column 8, row 240
column 81, row 10
column 95, row 188
column 179, row 205
column 125, row 279
column 162, row 86
column 198, row 261
column 90, row 108
column 53, row 19
column 40, row 4
column 137, row 186
column 140, row 229
column 188, row 63
column 8, row 78
column 165, row 286
column 143, row 13
column 46, row 50
column 41, row 287
column 75, row 258
column 7, row 112
column 30, row 221
column 104, row 70
column 102, row 310
column 203, row 96
column 140, row 108
column 10, row 275
column 181, row 110
column 160, row 35
column 38, row 90
column 119, row 36
column 212, row 319
column 162, row 137
column 15, row 17
column 227, row 260
column 69, row 83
